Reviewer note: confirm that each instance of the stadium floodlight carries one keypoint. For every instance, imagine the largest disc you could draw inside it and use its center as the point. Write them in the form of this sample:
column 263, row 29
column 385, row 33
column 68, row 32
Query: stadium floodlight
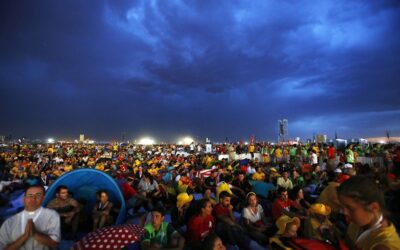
column 146, row 141
column 50, row 140
column 188, row 140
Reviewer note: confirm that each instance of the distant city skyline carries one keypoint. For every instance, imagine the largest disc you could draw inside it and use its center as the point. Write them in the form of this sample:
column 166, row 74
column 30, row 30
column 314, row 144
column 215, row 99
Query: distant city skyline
column 217, row 69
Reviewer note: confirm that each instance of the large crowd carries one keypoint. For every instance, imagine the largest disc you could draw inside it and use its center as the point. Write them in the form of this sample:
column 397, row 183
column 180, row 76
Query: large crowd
column 302, row 196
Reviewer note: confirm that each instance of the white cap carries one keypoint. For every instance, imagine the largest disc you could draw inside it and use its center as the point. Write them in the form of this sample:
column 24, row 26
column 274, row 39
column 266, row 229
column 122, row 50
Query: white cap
column 338, row 171
column 348, row 165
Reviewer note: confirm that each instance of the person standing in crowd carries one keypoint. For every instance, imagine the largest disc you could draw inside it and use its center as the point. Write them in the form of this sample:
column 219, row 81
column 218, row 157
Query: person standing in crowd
column 349, row 155
column 34, row 228
column 363, row 204
column 331, row 153
column 68, row 209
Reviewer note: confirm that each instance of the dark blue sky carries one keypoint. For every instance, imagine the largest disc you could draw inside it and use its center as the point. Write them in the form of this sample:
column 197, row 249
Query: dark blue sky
column 202, row 68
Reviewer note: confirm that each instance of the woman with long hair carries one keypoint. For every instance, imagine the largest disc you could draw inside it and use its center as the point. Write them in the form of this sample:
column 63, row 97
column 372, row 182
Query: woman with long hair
column 363, row 204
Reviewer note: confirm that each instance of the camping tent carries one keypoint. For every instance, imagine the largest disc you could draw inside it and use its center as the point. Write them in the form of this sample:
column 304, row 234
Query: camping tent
column 83, row 184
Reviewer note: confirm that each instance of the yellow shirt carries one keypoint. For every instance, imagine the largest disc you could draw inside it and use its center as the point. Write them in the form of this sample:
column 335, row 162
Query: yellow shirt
column 258, row 176
column 385, row 236
column 278, row 153
column 252, row 148
column 68, row 168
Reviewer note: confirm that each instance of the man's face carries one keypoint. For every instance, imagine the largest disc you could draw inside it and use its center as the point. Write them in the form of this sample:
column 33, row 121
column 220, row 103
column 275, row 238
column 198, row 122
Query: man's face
column 284, row 196
column 226, row 201
column 33, row 198
column 156, row 218
column 241, row 177
column 63, row 194
column 285, row 175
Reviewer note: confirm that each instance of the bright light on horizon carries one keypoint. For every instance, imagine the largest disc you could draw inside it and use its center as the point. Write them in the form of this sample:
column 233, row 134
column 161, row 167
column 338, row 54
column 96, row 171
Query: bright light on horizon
column 185, row 141
column 50, row 140
column 146, row 141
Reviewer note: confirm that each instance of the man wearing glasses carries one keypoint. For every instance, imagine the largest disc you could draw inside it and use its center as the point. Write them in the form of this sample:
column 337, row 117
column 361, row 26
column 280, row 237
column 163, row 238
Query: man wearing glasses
column 35, row 227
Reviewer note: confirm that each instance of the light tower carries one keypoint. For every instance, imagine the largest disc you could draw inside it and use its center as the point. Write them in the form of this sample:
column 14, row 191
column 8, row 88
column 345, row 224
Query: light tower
column 282, row 130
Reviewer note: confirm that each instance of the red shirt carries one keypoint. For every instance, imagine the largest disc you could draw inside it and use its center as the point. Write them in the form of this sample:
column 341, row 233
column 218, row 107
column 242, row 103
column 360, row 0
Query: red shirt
column 278, row 205
column 331, row 153
column 198, row 228
column 220, row 210
column 127, row 191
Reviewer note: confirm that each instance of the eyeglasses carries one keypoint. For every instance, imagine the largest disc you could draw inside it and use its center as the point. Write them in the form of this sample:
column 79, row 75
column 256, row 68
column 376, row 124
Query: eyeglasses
column 33, row 196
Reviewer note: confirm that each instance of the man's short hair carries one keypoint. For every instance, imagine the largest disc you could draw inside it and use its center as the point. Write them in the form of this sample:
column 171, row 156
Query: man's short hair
column 224, row 194
column 159, row 209
column 58, row 189
column 281, row 190
column 32, row 186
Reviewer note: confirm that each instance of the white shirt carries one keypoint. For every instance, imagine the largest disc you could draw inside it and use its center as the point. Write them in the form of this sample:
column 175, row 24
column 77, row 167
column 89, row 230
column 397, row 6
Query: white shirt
column 46, row 221
column 247, row 213
column 314, row 158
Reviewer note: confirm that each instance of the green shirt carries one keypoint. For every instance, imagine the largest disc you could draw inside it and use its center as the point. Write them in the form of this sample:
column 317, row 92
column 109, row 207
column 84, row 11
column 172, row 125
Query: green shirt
column 161, row 237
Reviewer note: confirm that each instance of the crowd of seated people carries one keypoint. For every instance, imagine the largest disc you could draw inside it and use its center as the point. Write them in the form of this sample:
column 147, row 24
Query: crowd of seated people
column 308, row 197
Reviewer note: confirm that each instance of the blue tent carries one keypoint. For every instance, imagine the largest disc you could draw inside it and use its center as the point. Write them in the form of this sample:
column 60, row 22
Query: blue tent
column 262, row 188
column 83, row 184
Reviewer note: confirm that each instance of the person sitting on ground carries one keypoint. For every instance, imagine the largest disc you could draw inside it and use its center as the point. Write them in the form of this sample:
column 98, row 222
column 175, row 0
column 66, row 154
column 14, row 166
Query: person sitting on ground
column 101, row 212
column 211, row 181
column 130, row 194
column 317, row 225
column 297, row 179
column 242, row 185
column 179, row 212
column 297, row 195
column 160, row 234
column 282, row 205
column 200, row 225
column 226, row 226
column 287, row 228
column 363, row 203
column 213, row 242
column 208, row 195
column 284, row 181
column 329, row 195
column 68, row 209
column 35, row 227
column 254, row 219
column 148, row 187
column 259, row 175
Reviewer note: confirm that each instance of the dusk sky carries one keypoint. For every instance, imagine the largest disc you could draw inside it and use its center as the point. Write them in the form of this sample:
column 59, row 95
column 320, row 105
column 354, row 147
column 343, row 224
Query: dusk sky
column 213, row 69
